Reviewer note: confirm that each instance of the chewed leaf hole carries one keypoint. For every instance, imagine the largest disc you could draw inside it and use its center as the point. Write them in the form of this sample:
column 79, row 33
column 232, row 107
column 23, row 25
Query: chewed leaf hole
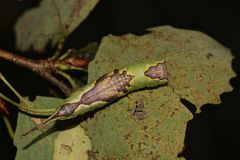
column 190, row 106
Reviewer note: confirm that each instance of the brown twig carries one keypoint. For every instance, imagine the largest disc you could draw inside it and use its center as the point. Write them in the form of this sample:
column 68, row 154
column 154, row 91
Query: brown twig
column 22, row 61
column 65, row 89
column 45, row 68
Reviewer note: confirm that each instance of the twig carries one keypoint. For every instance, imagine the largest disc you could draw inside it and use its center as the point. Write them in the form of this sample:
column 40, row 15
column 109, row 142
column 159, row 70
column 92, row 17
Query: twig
column 64, row 88
column 67, row 77
column 45, row 68
column 22, row 61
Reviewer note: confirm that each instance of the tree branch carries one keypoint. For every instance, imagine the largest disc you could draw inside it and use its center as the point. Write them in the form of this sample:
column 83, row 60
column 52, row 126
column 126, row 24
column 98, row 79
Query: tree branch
column 45, row 68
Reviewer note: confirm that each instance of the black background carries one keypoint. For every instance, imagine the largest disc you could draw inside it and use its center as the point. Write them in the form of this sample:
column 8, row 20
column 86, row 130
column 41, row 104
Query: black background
column 213, row 134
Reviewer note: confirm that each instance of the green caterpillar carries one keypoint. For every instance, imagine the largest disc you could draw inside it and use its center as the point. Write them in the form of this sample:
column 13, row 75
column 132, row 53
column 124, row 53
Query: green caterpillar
column 109, row 88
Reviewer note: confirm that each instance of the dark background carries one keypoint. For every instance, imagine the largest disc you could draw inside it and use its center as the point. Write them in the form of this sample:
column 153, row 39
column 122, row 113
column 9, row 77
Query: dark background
column 213, row 134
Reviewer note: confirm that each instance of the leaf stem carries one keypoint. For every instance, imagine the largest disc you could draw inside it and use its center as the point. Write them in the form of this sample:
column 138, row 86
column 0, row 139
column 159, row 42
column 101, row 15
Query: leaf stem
column 63, row 87
column 65, row 55
column 42, row 67
column 30, row 110
column 13, row 90
column 67, row 77
column 10, row 101
column 59, row 48
column 8, row 125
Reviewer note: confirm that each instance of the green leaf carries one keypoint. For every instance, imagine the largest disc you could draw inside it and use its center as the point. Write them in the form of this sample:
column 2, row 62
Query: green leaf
column 199, row 71
column 154, row 127
column 51, row 21
column 64, row 144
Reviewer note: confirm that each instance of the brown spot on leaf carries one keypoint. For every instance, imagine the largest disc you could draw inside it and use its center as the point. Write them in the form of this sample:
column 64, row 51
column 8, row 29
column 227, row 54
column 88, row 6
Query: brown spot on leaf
column 145, row 127
column 141, row 144
column 131, row 146
column 139, row 106
column 209, row 55
column 67, row 147
column 139, row 113
column 127, row 136
column 146, row 136
column 92, row 153
column 172, row 114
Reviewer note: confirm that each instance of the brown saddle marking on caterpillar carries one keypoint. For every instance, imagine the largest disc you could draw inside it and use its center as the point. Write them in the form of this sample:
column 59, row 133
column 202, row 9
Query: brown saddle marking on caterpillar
column 107, row 88
column 158, row 71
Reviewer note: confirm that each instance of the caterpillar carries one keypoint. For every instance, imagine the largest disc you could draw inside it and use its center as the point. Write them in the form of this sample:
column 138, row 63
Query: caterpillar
column 109, row 88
